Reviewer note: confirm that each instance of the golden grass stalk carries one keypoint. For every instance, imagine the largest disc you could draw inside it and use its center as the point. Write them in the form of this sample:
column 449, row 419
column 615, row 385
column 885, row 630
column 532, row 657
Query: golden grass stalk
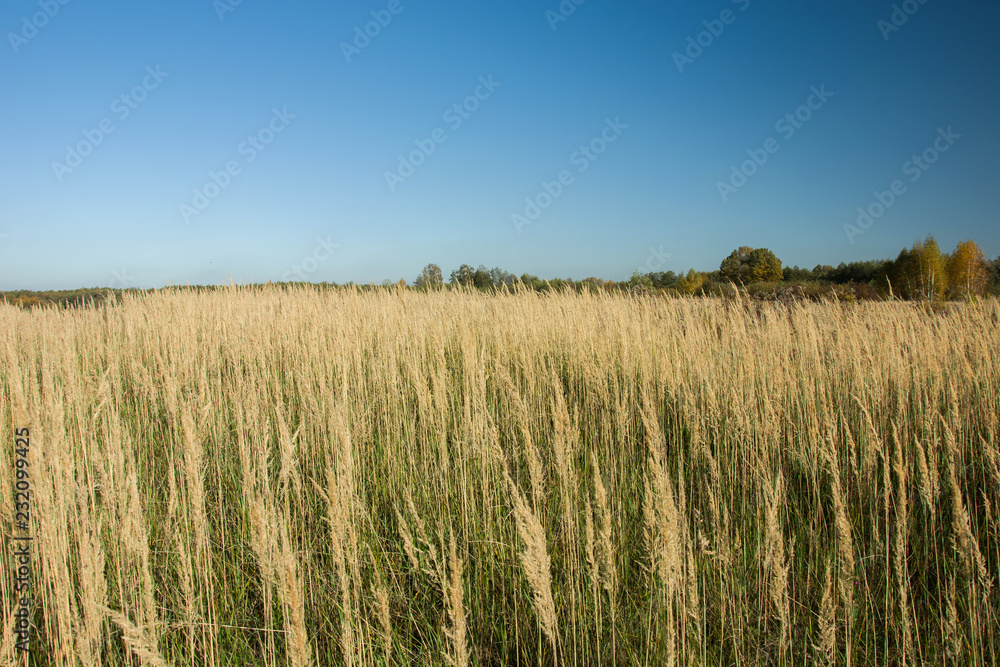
column 93, row 586
column 536, row 564
column 299, row 651
column 339, row 511
column 381, row 596
column 775, row 561
column 454, row 602
column 607, row 561
column 138, row 641
column 900, row 550
column 827, row 646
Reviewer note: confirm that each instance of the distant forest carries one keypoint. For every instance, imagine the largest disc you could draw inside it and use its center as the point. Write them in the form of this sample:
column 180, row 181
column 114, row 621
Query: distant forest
column 920, row 272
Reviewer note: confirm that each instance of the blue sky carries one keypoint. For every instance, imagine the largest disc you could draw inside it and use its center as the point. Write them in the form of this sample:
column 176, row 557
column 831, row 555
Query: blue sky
column 631, row 126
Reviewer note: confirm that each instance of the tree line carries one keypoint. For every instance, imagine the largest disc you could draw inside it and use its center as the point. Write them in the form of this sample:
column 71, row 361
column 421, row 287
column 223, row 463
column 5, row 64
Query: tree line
column 920, row 272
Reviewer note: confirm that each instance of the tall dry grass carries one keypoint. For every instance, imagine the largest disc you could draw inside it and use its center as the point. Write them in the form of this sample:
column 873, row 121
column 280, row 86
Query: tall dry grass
column 293, row 476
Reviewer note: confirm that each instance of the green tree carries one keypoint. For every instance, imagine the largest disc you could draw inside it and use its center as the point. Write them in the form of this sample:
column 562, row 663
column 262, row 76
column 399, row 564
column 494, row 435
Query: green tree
column 430, row 277
column 734, row 267
column 481, row 278
column 858, row 272
column 501, row 277
column 640, row 282
column 663, row 278
column 531, row 282
column 463, row 275
column 822, row 272
column 751, row 265
column 795, row 273
column 900, row 275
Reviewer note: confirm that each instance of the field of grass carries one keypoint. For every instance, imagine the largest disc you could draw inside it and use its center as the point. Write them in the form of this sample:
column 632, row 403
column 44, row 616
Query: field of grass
column 257, row 476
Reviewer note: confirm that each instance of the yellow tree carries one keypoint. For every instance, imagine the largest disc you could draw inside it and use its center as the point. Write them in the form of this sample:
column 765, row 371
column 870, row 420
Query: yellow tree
column 932, row 277
column 967, row 269
column 690, row 283
column 920, row 271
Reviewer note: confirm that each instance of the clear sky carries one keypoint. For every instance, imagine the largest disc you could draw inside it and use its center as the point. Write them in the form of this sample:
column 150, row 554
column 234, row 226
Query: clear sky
column 150, row 143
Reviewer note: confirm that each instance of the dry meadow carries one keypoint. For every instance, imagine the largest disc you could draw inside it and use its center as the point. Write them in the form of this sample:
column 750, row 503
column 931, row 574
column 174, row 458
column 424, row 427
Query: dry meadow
column 265, row 476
